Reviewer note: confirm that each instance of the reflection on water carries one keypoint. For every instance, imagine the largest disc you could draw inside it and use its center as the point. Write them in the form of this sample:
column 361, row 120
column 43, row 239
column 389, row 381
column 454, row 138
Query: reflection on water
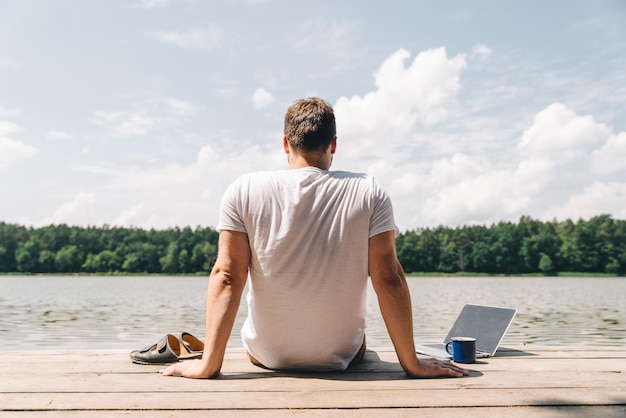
column 129, row 312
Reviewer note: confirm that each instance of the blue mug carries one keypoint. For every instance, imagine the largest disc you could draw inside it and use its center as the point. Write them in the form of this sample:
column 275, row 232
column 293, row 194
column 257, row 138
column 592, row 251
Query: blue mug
column 462, row 349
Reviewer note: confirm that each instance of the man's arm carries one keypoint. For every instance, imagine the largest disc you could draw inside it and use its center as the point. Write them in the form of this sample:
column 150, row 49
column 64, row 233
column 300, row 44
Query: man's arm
column 226, row 284
column 395, row 306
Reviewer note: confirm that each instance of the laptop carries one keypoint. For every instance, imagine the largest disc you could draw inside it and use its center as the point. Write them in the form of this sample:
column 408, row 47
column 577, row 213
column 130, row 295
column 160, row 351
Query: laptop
column 487, row 324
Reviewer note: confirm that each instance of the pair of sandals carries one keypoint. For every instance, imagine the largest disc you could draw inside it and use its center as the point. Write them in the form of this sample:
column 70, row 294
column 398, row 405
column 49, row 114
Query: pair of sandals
column 169, row 349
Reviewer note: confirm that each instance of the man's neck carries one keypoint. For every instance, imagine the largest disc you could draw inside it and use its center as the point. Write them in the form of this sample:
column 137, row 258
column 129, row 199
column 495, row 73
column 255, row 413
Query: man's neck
column 319, row 159
column 297, row 161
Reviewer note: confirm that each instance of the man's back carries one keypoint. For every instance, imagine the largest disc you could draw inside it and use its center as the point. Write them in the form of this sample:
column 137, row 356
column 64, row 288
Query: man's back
column 308, row 231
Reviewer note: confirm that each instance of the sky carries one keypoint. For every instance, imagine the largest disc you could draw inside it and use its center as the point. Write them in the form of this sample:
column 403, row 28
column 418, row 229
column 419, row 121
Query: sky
column 140, row 113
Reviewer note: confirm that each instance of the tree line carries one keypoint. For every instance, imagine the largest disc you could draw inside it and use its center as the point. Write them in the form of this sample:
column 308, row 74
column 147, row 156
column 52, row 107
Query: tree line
column 72, row 249
column 597, row 245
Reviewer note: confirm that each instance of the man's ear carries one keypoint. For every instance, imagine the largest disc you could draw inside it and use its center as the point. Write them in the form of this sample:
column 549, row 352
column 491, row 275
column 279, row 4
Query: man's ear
column 285, row 145
column 333, row 145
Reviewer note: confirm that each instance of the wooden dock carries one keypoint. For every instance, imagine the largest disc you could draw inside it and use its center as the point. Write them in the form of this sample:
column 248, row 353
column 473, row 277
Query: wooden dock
column 527, row 382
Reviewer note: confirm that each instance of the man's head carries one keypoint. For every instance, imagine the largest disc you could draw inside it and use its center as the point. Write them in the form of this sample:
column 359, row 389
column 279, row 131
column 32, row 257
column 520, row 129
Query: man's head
column 310, row 125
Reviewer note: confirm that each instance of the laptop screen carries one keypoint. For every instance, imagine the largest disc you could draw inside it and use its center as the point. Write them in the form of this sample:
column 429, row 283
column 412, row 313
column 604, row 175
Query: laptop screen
column 487, row 324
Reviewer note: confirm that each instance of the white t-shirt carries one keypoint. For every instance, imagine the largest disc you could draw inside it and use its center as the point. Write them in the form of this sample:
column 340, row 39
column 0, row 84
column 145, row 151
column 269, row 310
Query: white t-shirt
column 308, row 231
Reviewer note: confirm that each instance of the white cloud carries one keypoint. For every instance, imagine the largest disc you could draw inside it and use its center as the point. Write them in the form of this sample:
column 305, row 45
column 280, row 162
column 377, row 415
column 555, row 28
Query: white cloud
column 549, row 177
column 172, row 194
column 179, row 107
column 558, row 129
column 481, row 51
column 9, row 112
column 8, row 128
column 207, row 155
column 470, row 200
column 557, row 146
column 262, row 98
column 136, row 215
column 13, row 151
column 79, row 211
column 611, row 158
column 390, row 133
column 335, row 38
column 10, row 65
column 125, row 124
column 196, row 39
column 461, row 189
column 58, row 135
column 152, row 4
column 152, row 114
column 405, row 99
column 596, row 199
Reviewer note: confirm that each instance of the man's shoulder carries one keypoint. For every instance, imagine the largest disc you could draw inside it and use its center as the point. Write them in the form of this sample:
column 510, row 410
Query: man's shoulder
column 266, row 177
column 361, row 179
column 274, row 174
column 351, row 175
column 260, row 175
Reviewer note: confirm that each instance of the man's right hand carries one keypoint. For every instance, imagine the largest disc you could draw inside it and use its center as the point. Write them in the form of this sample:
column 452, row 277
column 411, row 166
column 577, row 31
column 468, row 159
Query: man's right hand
column 430, row 367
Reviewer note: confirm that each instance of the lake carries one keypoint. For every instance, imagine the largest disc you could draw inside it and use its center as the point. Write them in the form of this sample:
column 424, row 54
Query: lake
column 84, row 312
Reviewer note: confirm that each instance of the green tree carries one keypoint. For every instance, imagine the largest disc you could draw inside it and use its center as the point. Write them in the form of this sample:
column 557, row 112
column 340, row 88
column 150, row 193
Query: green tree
column 10, row 235
column 613, row 266
column 184, row 261
column 5, row 258
column 68, row 259
column 104, row 262
column 169, row 262
column 133, row 263
column 448, row 261
column 210, row 252
column 506, row 249
column 142, row 258
column 429, row 247
column 545, row 264
column 203, row 257
column 27, row 256
column 408, row 251
column 46, row 262
column 187, row 240
column 619, row 247
column 482, row 259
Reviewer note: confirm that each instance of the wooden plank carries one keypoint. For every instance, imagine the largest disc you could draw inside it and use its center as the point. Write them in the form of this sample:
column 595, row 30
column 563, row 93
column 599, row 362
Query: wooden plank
column 509, row 412
column 385, row 361
column 237, row 382
column 38, row 368
column 108, row 381
column 320, row 399
column 236, row 361
column 562, row 352
column 374, row 361
column 531, row 349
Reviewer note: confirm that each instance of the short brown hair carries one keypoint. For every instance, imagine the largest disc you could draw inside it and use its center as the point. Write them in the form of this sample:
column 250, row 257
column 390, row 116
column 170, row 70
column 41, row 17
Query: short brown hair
column 310, row 124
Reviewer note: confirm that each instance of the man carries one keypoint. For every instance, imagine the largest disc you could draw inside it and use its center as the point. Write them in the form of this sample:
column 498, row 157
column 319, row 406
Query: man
column 308, row 237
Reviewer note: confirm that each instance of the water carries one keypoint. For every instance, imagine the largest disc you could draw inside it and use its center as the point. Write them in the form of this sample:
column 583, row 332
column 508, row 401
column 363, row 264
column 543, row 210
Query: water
column 52, row 312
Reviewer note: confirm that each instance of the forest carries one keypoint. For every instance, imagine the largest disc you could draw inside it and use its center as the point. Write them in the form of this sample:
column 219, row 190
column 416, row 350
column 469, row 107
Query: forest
column 597, row 245
column 72, row 249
